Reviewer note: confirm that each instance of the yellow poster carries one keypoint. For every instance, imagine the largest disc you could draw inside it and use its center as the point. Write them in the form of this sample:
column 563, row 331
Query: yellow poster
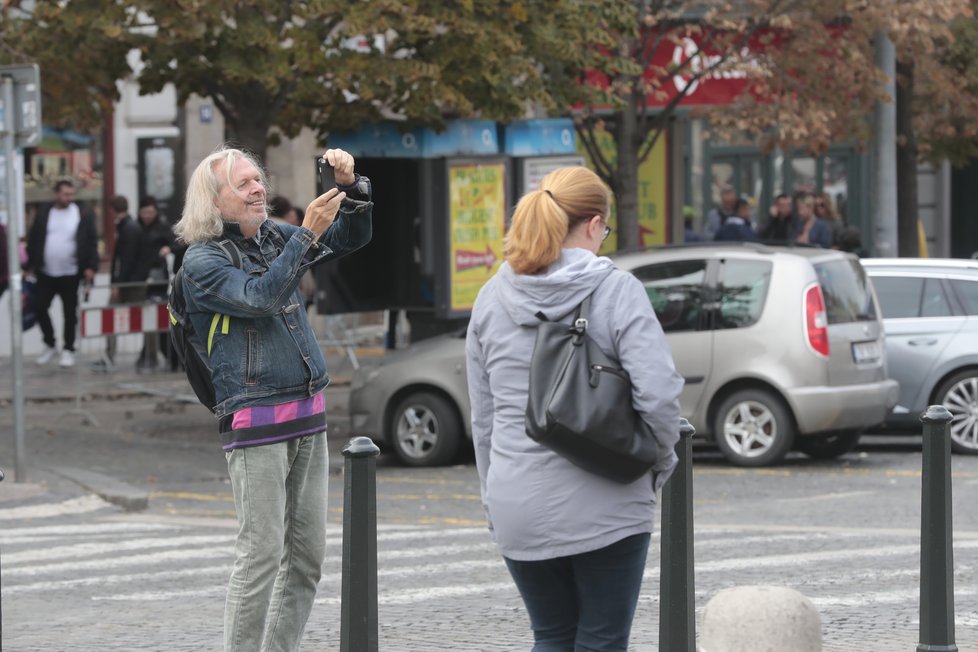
column 477, row 222
column 652, row 182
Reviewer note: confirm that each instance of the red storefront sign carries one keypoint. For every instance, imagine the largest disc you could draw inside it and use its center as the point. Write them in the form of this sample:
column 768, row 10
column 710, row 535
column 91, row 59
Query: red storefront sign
column 699, row 67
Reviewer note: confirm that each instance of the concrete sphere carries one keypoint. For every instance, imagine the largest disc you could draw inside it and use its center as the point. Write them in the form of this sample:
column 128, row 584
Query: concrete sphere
column 760, row 619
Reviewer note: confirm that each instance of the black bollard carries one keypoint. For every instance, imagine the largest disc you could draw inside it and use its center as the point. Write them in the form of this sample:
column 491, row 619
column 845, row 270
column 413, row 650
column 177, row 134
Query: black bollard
column 358, row 607
column 677, row 604
column 936, row 556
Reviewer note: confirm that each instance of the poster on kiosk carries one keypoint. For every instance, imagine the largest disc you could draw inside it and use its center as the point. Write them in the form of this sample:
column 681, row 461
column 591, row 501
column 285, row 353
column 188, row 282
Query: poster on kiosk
column 477, row 214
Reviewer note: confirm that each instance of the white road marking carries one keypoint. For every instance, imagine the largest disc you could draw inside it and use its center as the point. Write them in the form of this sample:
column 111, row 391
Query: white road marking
column 49, row 532
column 167, row 557
column 57, row 585
column 78, row 550
column 81, row 505
column 865, row 598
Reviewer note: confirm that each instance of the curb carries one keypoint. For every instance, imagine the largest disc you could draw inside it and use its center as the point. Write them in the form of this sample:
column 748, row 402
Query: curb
column 107, row 488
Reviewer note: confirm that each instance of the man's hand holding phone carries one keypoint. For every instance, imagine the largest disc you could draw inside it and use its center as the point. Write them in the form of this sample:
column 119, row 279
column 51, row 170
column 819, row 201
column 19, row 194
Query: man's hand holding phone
column 336, row 168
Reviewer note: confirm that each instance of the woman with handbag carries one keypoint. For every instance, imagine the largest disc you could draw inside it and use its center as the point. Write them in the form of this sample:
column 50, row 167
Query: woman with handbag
column 575, row 542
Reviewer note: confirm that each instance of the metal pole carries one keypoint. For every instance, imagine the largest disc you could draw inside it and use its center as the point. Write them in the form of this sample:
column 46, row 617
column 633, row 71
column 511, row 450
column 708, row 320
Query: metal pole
column 885, row 195
column 936, row 556
column 358, row 606
column 677, row 604
column 15, row 280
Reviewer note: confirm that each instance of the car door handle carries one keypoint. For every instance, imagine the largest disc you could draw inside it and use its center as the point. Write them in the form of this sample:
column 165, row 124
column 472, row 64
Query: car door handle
column 930, row 342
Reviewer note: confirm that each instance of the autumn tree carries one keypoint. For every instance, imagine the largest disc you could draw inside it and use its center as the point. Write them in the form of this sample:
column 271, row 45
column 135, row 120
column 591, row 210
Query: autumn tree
column 808, row 70
column 81, row 49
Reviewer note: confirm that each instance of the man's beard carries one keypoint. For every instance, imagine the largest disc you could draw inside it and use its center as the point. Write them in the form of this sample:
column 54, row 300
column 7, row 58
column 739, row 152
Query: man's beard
column 255, row 221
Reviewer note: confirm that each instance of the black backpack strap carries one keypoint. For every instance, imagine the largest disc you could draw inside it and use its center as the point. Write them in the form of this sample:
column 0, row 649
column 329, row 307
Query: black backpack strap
column 232, row 251
column 581, row 312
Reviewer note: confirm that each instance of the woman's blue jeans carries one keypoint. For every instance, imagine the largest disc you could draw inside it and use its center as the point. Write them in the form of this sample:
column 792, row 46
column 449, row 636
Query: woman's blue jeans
column 585, row 602
column 280, row 498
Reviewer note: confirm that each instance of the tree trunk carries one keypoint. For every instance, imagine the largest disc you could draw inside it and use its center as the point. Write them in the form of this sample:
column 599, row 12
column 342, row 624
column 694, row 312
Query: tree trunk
column 626, row 182
column 250, row 135
column 906, row 163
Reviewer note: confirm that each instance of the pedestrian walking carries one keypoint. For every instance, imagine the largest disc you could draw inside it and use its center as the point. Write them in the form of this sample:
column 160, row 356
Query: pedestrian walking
column 159, row 242
column 781, row 227
column 812, row 229
column 269, row 377
column 128, row 267
column 62, row 250
column 738, row 227
column 719, row 214
column 574, row 542
column 825, row 210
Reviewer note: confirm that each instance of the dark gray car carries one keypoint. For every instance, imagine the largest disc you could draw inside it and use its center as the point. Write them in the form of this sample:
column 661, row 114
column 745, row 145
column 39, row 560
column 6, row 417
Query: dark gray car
column 781, row 348
column 930, row 312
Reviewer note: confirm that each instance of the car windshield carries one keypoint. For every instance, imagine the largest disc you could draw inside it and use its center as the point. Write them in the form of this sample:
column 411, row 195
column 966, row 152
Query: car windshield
column 846, row 291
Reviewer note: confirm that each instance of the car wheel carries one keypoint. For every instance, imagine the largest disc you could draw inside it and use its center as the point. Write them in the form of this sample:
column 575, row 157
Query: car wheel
column 830, row 447
column 754, row 428
column 425, row 430
column 959, row 394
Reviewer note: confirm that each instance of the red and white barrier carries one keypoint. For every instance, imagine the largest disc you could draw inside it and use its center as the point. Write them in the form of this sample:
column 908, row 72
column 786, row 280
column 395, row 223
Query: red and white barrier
column 122, row 320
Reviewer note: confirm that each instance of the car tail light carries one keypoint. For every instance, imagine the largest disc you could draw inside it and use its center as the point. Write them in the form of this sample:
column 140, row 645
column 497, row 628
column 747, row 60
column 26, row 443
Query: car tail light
column 816, row 323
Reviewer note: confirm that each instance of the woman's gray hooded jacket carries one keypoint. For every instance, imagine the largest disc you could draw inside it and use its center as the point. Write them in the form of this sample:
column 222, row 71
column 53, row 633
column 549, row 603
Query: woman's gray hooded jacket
column 538, row 504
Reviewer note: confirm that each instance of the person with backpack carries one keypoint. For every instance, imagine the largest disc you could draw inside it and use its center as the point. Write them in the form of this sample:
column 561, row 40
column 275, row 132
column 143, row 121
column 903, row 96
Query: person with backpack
column 575, row 543
column 237, row 303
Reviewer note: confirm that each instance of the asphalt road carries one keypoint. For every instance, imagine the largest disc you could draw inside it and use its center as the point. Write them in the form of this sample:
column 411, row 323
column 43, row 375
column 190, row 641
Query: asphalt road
column 82, row 574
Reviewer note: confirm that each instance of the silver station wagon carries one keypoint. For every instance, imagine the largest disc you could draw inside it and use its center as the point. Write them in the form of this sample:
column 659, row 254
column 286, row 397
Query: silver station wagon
column 930, row 311
column 781, row 348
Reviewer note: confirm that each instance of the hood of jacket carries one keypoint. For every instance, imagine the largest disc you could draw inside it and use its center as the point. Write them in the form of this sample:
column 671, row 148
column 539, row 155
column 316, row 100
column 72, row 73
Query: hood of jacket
column 555, row 293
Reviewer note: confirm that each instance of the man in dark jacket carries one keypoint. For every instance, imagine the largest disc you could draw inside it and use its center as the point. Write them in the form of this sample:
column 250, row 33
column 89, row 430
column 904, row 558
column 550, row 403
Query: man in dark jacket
column 158, row 243
column 62, row 249
column 737, row 227
column 128, row 266
column 781, row 227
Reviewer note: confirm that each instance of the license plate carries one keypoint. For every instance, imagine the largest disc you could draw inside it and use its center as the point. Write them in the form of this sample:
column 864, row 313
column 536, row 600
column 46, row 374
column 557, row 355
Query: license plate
column 864, row 352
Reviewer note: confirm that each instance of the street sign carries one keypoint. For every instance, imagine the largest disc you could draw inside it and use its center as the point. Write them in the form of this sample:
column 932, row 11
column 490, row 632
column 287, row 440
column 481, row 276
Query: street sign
column 26, row 107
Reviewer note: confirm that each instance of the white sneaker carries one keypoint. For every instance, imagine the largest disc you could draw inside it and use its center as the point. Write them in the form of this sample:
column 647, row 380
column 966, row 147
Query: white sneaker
column 47, row 355
column 67, row 359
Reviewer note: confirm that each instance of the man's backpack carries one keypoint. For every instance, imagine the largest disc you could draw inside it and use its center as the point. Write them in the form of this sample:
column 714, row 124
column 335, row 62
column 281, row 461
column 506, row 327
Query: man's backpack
column 189, row 345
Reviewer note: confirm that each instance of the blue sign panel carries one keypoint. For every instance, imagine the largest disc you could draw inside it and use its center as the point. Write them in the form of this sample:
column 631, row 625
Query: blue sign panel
column 382, row 140
column 539, row 137
column 385, row 140
column 462, row 138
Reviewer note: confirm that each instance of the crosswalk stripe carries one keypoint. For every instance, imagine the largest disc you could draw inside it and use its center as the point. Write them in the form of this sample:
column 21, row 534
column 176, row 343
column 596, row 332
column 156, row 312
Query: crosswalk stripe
column 57, row 585
column 166, row 557
column 78, row 550
column 81, row 505
column 48, row 532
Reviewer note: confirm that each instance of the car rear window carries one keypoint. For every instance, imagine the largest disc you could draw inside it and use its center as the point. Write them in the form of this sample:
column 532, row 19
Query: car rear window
column 845, row 289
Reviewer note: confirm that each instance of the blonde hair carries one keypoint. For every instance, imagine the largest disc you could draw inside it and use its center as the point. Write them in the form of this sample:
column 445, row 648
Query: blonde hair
column 201, row 220
column 544, row 217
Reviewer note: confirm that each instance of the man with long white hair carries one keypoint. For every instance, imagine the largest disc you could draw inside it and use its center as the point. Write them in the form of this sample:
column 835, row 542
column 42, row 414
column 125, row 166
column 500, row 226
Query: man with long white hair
column 269, row 377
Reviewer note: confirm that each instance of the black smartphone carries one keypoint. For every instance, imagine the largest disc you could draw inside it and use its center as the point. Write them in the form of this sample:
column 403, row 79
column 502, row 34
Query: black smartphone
column 327, row 178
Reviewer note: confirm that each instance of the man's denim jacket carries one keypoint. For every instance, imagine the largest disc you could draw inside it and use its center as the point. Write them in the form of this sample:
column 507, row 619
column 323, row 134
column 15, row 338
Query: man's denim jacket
column 262, row 348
